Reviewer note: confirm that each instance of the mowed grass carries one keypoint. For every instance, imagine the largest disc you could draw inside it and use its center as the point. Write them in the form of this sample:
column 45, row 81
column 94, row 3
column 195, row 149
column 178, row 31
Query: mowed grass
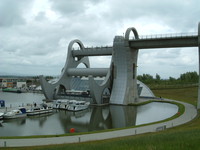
column 188, row 94
column 184, row 137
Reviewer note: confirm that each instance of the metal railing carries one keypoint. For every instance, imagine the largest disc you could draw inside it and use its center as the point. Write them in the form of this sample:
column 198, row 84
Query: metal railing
column 171, row 35
column 93, row 47
column 98, row 47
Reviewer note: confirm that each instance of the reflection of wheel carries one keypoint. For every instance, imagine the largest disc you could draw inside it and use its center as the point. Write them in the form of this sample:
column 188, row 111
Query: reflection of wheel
column 100, row 119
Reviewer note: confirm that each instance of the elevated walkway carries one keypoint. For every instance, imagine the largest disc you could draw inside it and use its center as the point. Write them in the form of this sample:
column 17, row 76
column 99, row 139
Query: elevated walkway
column 96, row 51
column 171, row 35
column 165, row 41
column 85, row 72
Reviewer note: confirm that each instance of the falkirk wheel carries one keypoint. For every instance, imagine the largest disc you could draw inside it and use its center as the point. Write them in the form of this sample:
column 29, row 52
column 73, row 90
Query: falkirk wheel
column 120, row 78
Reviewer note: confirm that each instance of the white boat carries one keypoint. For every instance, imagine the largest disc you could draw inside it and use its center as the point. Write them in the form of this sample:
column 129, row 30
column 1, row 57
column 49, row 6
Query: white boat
column 43, row 109
column 1, row 115
column 15, row 113
column 74, row 105
column 60, row 104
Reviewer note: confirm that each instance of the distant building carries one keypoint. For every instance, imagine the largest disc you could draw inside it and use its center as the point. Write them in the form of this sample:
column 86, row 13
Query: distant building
column 12, row 82
column 21, row 84
column 8, row 83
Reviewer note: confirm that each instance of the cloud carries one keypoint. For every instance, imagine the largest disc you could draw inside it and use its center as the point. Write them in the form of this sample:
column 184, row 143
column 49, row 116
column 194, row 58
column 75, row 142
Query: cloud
column 73, row 8
column 11, row 12
column 168, row 62
column 35, row 34
column 175, row 14
column 68, row 7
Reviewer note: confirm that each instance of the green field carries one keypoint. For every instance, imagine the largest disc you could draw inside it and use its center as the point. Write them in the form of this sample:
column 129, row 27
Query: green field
column 187, row 94
column 184, row 137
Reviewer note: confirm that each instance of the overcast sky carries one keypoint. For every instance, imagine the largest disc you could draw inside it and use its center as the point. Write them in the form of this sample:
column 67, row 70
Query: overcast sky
column 34, row 34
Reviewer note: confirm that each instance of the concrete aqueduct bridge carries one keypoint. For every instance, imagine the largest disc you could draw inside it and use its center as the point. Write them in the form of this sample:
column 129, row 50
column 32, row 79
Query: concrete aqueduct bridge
column 121, row 76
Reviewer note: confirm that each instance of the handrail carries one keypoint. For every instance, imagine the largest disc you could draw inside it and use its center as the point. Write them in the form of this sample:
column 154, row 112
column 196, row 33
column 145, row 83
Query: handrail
column 172, row 35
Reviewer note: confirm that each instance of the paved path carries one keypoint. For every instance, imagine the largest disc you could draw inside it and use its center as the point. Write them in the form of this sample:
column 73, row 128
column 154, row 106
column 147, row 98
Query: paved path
column 189, row 114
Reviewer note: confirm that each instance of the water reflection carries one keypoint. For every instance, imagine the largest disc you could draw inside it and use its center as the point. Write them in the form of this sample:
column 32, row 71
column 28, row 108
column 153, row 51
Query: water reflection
column 100, row 119
column 60, row 122
column 123, row 116
column 92, row 119
column 41, row 119
column 155, row 111
column 16, row 99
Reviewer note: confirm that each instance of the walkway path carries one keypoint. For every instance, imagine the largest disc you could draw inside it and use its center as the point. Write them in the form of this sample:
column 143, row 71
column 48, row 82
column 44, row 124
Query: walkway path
column 189, row 114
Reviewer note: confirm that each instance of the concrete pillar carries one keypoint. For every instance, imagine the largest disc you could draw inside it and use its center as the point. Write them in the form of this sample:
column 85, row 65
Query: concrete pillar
column 124, row 90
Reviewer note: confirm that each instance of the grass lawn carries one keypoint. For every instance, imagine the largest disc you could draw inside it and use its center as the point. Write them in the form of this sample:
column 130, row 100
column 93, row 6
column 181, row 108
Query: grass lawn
column 188, row 94
column 184, row 137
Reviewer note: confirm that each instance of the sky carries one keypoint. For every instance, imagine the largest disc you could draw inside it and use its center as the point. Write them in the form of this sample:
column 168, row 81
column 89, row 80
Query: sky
column 34, row 34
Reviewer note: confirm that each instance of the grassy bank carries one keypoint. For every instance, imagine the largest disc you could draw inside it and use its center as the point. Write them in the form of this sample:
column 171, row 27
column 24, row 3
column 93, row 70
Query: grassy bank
column 186, row 94
column 184, row 137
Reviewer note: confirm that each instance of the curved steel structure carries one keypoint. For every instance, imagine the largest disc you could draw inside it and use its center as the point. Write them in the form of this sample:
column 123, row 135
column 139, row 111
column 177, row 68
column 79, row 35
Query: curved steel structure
column 50, row 90
column 120, row 78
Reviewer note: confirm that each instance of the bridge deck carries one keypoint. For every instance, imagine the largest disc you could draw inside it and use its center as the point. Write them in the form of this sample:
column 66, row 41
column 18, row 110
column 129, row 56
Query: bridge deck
column 95, row 72
column 93, row 51
column 165, row 42
column 145, row 42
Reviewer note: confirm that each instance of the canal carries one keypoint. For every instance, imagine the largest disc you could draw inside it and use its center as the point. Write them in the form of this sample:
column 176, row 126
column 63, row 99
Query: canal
column 93, row 119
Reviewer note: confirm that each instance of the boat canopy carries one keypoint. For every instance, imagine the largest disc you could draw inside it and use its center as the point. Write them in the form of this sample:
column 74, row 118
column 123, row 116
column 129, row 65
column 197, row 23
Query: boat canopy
column 23, row 110
column 2, row 103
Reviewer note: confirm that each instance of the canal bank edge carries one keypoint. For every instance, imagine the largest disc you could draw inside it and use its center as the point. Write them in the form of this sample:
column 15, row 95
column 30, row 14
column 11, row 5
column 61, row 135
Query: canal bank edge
column 142, row 102
column 189, row 114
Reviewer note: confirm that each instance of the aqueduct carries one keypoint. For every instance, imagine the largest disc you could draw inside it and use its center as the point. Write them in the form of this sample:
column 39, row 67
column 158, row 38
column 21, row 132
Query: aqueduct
column 121, row 76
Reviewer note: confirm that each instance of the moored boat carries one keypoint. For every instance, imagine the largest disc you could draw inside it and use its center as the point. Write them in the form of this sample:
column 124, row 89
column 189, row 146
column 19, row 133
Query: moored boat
column 71, row 105
column 1, row 115
column 15, row 113
column 74, row 105
column 13, row 90
column 60, row 104
column 42, row 109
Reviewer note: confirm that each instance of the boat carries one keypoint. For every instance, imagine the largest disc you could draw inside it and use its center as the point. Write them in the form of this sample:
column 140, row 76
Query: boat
column 71, row 105
column 13, row 90
column 42, row 109
column 77, row 93
column 74, row 105
column 15, row 113
column 2, row 103
column 60, row 104
column 1, row 115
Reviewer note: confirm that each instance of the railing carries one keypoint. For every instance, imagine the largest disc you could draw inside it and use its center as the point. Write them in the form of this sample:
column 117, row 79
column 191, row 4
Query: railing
column 98, row 47
column 151, row 36
column 92, row 47
column 172, row 35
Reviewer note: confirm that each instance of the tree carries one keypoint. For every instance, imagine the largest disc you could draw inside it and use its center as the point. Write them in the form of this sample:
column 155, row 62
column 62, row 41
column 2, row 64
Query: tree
column 146, row 78
column 189, row 77
column 172, row 79
column 157, row 77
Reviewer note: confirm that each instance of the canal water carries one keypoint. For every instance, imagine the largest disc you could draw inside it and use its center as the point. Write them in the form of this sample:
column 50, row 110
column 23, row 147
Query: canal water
column 92, row 119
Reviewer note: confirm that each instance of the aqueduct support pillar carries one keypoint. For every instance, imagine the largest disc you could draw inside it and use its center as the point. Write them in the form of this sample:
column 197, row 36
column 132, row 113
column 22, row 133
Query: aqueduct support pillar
column 124, row 90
